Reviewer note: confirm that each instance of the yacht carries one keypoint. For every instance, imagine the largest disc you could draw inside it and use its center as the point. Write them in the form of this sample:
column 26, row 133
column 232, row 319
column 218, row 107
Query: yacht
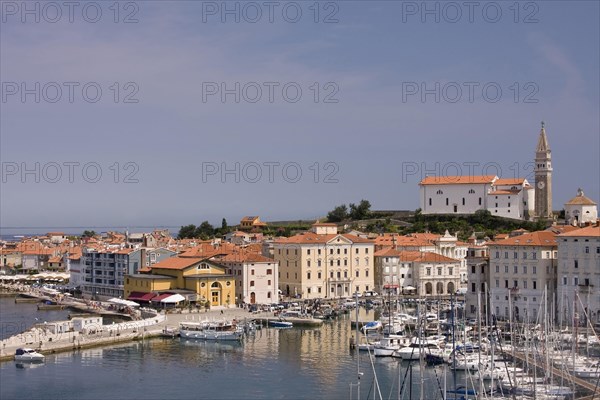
column 27, row 354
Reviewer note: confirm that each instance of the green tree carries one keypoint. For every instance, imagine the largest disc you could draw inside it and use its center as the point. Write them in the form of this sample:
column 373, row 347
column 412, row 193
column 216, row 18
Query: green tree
column 205, row 231
column 87, row 233
column 360, row 211
column 338, row 214
column 187, row 232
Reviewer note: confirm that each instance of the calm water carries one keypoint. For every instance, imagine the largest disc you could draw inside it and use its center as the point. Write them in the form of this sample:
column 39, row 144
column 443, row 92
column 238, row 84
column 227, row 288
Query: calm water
column 16, row 318
column 273, row 364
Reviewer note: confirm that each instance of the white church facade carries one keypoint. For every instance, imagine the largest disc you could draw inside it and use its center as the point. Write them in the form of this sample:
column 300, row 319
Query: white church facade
column 512, row 198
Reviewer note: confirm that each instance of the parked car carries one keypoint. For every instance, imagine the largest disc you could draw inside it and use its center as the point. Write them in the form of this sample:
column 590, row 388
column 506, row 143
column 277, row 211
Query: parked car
column 371, row 293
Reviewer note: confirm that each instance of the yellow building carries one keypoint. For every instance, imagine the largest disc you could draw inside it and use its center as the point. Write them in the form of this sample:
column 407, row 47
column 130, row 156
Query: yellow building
column 200, row 278
column 251, row 223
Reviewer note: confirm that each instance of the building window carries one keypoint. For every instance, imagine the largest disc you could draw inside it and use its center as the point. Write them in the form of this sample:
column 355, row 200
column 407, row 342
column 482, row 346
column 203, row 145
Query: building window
column 318, row 275
column 338, row 263
column 587, row 249
column 439, row 192
column 471, row 191
column 506, row 255
column 308, row 263
column 480, row 201
column 524, row 284
column 430, row 201
column 357, row 273
column 497, row 283
column 506, row 269
column 565, row 280
column 576, row 263
column 575, row 280
column 473, row 287
column 524, row 255
column 515, row 284
column 534, row 255
column 450, row 270
column 367, row 275
column 472, row 269
column 268, row 282
column 515, row 255
column 319, row 251
column 447, row 201
column 428, row 271
column 463, row 201
column 516, row 269
column 251, row 283
column 319, row 263
column 506, row 283
column 308, row 251
column 524, row 269
column 308, row 275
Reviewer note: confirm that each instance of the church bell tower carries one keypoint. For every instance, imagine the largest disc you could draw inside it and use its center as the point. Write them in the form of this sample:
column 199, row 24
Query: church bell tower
column 543, row 178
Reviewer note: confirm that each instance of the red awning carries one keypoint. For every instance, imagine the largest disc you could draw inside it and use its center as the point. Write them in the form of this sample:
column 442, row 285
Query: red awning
column 158, row 298
column 140, row 296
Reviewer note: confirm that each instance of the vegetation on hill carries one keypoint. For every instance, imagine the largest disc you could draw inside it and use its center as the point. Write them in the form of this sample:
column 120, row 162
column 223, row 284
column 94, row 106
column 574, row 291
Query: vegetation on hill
column 482, row 222
column 353, row 212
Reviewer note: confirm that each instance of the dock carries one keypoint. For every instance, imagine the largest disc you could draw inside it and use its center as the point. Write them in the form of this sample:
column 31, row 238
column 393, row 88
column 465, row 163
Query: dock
column 581, row 383
column 305, row 322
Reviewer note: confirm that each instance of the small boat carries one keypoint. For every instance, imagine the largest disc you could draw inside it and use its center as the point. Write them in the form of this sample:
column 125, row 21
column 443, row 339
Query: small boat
column 372, row 326
column 209, row 330
column 27, row 354
column 280, row 324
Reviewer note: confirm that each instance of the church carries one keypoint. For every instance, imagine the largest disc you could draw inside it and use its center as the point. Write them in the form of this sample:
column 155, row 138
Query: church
column 514, row 198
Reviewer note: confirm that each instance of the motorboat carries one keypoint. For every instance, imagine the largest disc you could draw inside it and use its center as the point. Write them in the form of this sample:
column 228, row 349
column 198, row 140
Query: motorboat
column 27, row 354
column 280, row 324
column 209, row 330
column 372, row 326
column 389, row 344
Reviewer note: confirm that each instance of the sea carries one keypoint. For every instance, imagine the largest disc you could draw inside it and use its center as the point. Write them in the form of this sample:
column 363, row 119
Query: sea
column 296, row 363
column 16, row 233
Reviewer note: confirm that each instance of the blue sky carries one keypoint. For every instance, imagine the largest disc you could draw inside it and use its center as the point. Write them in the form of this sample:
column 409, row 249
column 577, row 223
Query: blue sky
column 368, row 61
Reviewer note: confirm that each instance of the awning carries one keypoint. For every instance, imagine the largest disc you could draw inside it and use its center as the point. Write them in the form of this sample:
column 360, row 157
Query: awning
column 122, row 302
column 175, row 298
column 158, row 298
column 141, row 296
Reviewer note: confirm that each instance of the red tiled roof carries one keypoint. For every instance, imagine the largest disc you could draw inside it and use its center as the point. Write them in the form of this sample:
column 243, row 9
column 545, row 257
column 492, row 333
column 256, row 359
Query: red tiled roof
column 587, row 231
column 177, row 262
column 539, row 238
column 313, row 238
column 509, row 181
column 457, row 180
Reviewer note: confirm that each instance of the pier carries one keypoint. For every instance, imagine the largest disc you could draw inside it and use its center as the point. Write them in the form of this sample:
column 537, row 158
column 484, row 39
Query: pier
column 582, row 383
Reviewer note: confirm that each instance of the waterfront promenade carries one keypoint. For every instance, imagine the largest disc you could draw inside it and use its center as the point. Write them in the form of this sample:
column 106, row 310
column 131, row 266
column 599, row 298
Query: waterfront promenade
column 42, row 339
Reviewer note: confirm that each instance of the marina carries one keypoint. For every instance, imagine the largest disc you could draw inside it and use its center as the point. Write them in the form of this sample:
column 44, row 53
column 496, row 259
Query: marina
column 396, row 363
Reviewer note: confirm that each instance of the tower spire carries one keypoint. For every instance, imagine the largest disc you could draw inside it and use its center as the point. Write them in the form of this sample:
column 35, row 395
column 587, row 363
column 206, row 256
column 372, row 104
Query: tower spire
column 542, row 145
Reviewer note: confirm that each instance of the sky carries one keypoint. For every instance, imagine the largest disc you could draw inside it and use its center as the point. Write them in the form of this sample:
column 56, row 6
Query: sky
column 175, row 112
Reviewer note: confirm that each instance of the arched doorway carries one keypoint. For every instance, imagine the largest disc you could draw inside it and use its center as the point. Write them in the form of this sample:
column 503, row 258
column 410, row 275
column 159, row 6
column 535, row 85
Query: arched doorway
column 451, row 289
column 215, row 293
column 428, row 288
column 252, row 298
column 439, row 288
column 339, row 290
